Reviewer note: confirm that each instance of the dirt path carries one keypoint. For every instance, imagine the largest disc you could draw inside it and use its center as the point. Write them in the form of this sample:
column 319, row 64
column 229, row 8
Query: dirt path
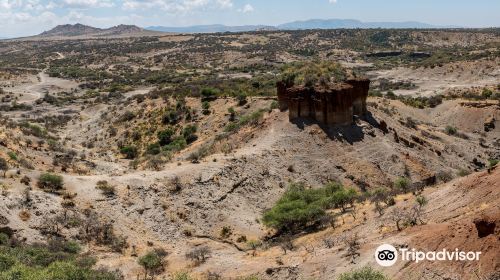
column 37, row 90
column 34, row 91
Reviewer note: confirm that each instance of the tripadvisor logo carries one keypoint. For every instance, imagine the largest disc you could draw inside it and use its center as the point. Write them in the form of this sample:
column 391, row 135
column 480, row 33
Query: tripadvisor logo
column 387, row 255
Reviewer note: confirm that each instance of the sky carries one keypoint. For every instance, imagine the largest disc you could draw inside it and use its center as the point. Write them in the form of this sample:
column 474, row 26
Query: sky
column 30, row 17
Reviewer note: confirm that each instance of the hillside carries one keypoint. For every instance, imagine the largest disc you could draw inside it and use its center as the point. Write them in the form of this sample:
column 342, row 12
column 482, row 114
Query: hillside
column 80, row 31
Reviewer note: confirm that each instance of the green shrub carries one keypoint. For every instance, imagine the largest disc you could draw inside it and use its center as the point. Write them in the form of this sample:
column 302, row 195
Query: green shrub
column 182, row 276
column 130, row 152
column 205, row 106
column 493, row 162
column 72, row 247
column 487, row 93
column 390, row 95
column 153, row 149
column 165, row 136
column 177, row 144
column 4, row 239
column 242, row 99
column 189, row 133
column 274, row 105
column 463, row 172
column 127, row 116
column 12, row 155
column 311, row 72
column 365, row 273
column 232, row 114
column 402, row 184
column 171, row 117
column 50, row 182
column 444, row 176
column 209, row 93
column 33, row 129
column 421, row 201
column 202, row 152
column 450, row 130
column 105, row 188
column 152, row 262
column 6, row 262
column 300, row 207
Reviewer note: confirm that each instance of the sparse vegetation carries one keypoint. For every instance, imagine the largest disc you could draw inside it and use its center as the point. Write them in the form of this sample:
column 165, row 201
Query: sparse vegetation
column 57, row 260
column 365, row 273
column 251, row 119
column 51, row 182
column 105, row 188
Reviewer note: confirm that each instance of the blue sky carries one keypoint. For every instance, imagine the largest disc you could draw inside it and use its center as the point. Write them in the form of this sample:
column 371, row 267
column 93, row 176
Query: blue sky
column 28, row 17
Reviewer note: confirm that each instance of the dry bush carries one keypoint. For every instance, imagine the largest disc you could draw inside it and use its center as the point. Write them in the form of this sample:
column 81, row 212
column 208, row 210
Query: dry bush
column 199, row 255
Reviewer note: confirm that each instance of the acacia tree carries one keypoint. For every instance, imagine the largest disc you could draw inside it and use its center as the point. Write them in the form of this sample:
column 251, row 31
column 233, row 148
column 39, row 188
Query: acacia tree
column 4, row 166
column 353, row 246
column 398, row 216
column 153, row 262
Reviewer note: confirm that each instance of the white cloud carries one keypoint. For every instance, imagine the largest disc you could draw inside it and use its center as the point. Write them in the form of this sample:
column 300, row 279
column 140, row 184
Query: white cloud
column 247, row 9
column 333, row 1
column 225, row 3
column 85, row 4
column 7, row 5
column 176, row 6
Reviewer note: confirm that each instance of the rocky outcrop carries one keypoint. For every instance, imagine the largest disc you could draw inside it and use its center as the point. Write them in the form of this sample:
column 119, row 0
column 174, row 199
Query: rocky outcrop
column 334, row 104
column 489, row 124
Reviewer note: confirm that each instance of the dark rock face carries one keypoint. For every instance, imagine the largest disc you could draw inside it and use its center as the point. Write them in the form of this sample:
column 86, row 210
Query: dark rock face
column 332, row 105
column 484, row 228
column 489, row 124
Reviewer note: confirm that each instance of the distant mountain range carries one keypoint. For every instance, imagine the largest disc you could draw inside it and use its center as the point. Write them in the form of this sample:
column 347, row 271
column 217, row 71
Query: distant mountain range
column 213, row 28
column 296, row 25
column 351, row 23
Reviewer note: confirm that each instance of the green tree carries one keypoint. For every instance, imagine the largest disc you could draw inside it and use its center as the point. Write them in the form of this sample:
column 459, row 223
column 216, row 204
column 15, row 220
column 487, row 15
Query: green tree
column 297, row 208
column 130, row 152
column 152, row 262
column 50, row 182
column 300, row 207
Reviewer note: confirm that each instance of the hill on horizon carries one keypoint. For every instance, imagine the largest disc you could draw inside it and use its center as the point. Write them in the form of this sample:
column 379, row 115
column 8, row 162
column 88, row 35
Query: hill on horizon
column 81, row 30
